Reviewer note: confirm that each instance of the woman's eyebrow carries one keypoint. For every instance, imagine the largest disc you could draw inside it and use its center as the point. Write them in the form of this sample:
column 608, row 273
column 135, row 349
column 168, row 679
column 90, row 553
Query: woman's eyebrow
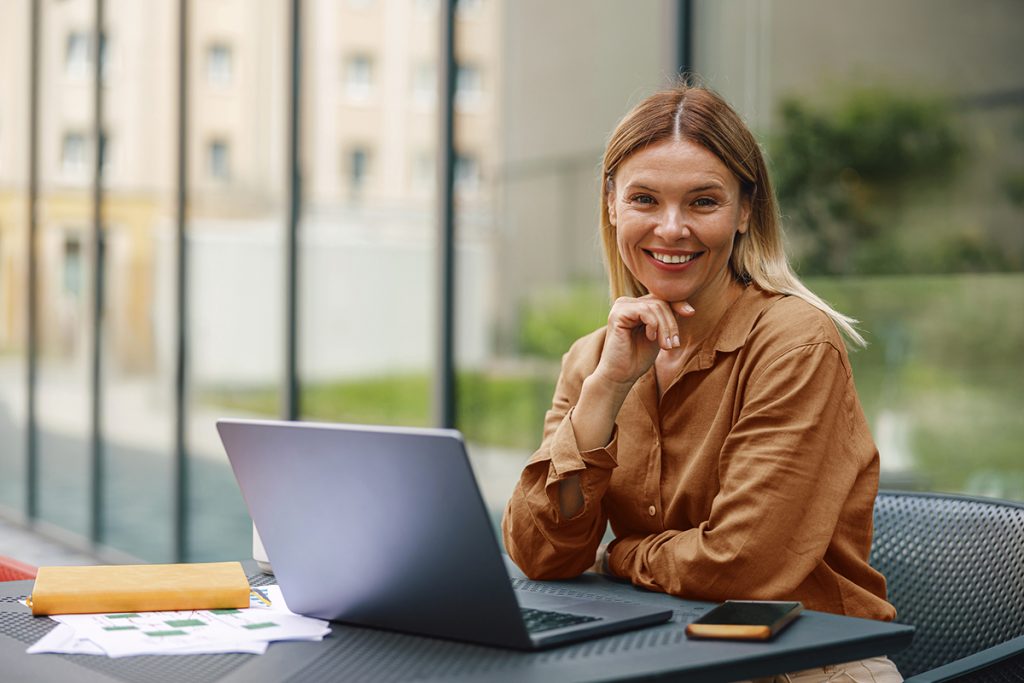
column 702, row 187
column 640, row 186
column 710, row 185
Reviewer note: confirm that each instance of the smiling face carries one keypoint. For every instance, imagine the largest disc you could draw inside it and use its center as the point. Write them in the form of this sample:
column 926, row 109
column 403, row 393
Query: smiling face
column 677, row 210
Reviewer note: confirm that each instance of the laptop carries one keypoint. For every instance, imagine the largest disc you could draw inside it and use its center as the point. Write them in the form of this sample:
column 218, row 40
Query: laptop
column 385, row 527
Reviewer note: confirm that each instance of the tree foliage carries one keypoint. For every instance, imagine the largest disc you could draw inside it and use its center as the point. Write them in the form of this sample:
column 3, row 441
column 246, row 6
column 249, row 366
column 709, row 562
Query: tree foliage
column 845, row 172
column 554, row 318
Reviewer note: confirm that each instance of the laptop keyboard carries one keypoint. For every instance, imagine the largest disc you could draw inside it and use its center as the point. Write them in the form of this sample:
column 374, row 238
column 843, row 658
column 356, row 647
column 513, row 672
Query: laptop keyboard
column 537, row 620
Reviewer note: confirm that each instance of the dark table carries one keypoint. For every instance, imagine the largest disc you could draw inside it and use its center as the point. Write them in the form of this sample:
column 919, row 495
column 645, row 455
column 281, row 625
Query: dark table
column 361, row 654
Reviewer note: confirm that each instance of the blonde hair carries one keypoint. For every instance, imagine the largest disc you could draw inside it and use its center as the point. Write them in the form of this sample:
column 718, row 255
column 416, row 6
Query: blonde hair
column 697, row 114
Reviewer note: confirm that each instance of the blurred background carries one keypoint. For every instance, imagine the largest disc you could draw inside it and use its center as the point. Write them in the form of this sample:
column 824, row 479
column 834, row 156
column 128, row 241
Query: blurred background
column 258, row 235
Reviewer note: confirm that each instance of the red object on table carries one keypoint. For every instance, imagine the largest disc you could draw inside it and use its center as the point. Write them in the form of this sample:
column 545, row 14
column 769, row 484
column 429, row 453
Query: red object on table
column 14, row 570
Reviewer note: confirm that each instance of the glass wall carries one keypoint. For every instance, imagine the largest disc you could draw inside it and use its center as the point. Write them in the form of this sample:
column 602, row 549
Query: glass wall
column 367, row 264
column 895, row 146
column 896, row 160
column 14, row 211
column 66, row 283
column 896, row 149
column 236, row 148
column 532, row 274
column 136, row 388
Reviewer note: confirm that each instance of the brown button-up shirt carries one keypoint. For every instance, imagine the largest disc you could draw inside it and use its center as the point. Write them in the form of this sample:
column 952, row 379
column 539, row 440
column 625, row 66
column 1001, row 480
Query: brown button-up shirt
column 753, row 476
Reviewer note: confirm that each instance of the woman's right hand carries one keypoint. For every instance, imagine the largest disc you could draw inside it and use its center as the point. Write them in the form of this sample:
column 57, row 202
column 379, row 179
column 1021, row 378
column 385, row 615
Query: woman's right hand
column 638, row 328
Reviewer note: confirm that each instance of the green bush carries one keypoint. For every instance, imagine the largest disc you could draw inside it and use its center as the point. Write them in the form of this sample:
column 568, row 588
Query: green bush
column 551, row 321
column 845, row 173
column 944, row 360
column 494, row 408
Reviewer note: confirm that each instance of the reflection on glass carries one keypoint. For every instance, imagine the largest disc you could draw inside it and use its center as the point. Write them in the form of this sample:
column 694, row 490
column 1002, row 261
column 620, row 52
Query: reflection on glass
column 235, row 236
column 137, row 384
column 942, row 392
column 937, row 386
column 896, row 159
column 529, row 149
column 899, row 204
column 13, row 260
column 367, row 262
column 13, row 369
column 66, row 274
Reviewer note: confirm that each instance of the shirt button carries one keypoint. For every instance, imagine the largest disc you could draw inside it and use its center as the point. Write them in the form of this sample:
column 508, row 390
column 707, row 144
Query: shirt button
column 651, row 511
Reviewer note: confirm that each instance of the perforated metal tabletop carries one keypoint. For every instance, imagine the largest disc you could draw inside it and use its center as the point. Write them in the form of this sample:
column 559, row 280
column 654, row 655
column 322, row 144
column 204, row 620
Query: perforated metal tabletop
column 360, row 654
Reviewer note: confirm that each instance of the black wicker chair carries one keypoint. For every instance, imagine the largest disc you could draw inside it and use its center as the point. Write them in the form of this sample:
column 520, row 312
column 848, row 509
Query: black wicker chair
column 955, row 570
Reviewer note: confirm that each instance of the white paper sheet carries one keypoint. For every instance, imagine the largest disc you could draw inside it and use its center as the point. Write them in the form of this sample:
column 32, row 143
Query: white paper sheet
column 182, row 632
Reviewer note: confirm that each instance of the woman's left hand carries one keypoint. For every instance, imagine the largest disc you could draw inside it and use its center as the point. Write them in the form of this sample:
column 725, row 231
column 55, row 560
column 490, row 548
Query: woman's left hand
column 600, row 565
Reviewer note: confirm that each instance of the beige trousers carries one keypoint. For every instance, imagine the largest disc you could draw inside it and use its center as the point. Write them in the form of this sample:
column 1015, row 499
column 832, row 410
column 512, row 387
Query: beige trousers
column 873, row 670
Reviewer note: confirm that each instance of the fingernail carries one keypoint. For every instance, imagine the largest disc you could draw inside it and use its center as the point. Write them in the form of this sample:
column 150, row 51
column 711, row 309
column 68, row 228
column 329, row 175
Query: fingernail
column 688, row 308
column 668, row 342
column 675, row 341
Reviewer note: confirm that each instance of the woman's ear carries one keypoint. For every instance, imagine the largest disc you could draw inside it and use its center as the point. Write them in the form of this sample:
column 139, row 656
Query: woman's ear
column 744, row 221
column 609, row 197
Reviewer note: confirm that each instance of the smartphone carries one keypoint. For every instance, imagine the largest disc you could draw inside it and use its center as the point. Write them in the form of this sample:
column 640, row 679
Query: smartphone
column 745, row 620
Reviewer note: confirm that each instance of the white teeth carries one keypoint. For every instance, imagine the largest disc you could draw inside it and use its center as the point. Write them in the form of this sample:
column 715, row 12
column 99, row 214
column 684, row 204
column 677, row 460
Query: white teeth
column 674, row 258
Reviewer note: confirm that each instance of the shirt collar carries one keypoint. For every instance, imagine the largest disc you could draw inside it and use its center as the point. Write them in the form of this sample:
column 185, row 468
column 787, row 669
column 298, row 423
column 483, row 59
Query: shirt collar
column 735, row 326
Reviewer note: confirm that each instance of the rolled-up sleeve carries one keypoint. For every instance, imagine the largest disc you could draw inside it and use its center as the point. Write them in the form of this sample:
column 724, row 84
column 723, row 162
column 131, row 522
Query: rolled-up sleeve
column 537, row 538
column 785, row 471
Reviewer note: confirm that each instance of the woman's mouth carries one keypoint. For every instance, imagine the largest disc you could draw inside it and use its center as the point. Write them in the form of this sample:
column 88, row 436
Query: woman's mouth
column 672, row 259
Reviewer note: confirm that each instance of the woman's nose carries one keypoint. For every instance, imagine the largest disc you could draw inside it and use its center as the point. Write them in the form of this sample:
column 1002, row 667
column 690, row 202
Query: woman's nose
column 673, row 225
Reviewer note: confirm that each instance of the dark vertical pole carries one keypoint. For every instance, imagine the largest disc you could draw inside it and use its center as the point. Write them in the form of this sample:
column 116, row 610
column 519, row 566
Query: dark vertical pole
column 32, row 441
column 684, row 37
column 290, row 403
column 98, row 277
column 444, row 378
column 180, row 503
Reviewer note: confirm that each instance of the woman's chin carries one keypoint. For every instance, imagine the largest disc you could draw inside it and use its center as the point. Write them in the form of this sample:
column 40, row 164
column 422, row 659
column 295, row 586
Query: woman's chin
column 670, row 294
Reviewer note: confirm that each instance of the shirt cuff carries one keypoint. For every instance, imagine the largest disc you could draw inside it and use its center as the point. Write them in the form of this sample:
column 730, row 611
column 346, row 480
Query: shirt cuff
column 566, row 457
column 621, row 552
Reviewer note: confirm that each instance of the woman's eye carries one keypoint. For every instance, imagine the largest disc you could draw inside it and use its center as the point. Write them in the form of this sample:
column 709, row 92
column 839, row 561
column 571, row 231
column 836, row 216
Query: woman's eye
column 705, row 202
column 642, row 199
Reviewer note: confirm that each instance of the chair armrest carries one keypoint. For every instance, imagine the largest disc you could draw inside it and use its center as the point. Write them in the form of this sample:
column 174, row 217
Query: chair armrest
column 15, row 570
column 994, row 658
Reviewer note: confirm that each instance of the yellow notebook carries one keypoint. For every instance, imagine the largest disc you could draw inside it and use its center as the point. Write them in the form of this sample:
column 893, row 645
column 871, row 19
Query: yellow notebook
column 139, row 588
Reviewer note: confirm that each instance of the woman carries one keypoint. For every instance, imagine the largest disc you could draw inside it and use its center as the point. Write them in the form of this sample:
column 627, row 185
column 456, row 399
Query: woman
column 714, row 420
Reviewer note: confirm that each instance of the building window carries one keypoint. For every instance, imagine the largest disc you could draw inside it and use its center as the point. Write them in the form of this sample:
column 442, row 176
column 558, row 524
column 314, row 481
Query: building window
column 76, row 55
column 219, row 67
column 468, row 6
column 73, row 155
column 468, row 86
column 358, row 168
column 104, row 56
column 71, row 266
column 219, row 159
column 359, row 77
column 106, row 152
column 467, row 174
column 461, row 6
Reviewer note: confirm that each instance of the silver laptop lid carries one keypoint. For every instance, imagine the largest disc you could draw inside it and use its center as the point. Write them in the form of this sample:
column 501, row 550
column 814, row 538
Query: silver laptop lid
column 376, row 526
